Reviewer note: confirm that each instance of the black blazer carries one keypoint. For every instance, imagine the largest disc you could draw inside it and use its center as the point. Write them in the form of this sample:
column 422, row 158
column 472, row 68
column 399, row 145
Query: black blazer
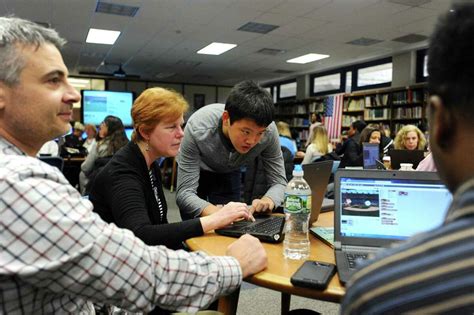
column 122, row 194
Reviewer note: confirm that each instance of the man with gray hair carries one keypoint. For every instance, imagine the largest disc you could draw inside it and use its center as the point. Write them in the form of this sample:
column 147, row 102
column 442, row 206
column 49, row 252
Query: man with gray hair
column 56, row 255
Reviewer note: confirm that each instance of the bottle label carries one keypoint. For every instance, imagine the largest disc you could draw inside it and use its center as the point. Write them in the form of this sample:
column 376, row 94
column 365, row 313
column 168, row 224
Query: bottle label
column 297, row 203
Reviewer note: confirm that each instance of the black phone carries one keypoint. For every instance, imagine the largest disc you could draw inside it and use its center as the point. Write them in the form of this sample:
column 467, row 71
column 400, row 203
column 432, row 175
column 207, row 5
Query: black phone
column 313, row 274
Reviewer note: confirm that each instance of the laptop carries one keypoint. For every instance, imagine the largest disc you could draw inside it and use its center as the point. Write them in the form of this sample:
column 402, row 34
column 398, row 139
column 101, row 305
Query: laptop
column 269, row 228
column 374, row 209
column 370, row 155
column 317, row 176
column 405, row 156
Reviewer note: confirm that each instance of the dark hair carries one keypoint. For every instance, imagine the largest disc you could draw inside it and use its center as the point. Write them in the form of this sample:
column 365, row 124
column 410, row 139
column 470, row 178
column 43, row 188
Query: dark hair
column 249, row 100
column 359, row 125
column 367, row 133
column 451, row 59
column 116, row 135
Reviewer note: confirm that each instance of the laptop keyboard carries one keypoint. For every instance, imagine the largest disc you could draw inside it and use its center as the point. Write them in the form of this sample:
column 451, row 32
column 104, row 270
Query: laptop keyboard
column 353, row 257
column 270, row 226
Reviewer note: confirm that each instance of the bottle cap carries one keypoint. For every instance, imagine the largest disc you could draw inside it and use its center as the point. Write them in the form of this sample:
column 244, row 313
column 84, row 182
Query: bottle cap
column 298, row 170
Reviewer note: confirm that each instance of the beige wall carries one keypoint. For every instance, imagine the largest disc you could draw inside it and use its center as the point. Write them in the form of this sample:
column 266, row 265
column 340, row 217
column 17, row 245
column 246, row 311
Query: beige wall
column 222, row 93
column 171, row 86
column 190, row 92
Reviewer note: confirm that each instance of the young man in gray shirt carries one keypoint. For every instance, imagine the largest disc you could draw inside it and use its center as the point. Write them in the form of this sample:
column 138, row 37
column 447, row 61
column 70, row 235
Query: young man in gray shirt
column 218, row 140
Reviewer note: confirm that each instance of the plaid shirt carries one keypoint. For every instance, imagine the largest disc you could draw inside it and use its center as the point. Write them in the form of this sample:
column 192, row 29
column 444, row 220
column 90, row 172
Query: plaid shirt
column 57, row 256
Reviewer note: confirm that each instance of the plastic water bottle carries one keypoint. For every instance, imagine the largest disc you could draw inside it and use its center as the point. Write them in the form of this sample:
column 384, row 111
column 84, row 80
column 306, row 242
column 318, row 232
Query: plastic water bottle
column 297, row 208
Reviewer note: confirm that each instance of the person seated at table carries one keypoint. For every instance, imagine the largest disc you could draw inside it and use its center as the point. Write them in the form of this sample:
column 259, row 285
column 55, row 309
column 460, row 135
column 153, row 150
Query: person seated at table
column 432, row 272
column 113, row 137
column 286, row 140
column 410, row 137
column 319, row 146
column 349, row 150
column 427, row 164
column 372, row 134
column 73, row 142
column 91, row 132
column 285, row 137
column 49, row 148
column 128, row 191
column 58, row 256
column 316, row 120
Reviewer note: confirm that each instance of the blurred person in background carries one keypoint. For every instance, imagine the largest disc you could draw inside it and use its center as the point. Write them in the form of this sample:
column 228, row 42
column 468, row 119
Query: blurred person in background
column 90, row 140
column 349, row 149
column 319, row 146
column 410, row 137
column 316, row 120
column 112, row 138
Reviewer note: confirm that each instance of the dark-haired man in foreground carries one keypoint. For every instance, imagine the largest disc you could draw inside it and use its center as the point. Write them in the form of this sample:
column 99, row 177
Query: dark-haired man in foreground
column 433, row 272
column 56, row 255
column 218, row 140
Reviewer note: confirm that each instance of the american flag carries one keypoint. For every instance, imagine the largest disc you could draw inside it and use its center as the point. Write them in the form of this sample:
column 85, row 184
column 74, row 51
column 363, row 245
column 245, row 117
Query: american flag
column 333, row 116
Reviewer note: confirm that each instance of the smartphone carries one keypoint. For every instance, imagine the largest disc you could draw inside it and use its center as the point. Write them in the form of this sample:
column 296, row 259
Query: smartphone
column 313, row 274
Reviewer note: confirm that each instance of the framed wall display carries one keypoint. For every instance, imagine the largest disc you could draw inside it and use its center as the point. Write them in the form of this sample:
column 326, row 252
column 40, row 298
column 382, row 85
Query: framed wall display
column 199, row 101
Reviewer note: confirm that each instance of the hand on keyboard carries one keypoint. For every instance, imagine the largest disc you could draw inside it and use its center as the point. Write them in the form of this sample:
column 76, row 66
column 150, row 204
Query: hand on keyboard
column 229, row 213
column 262, row 205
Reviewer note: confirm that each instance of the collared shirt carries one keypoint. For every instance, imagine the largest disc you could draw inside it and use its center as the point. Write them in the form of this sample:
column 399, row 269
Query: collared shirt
column 431, row 273
column 57, row 256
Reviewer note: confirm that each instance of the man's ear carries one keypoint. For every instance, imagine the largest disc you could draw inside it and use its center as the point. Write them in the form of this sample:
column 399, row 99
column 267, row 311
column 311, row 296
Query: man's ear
column 443, row 123
column 225, row 118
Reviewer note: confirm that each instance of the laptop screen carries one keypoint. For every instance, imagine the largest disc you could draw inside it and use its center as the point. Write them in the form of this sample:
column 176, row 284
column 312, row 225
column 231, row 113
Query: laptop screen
column 370, row 152
column 390, row 208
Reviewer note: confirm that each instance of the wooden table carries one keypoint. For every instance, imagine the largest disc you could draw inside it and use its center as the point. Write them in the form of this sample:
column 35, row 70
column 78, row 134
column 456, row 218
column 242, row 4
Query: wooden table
column 279, row 271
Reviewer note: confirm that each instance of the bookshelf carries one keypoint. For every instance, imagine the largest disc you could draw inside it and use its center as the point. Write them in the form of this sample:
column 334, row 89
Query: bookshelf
column 391, row 107
column 297, row 113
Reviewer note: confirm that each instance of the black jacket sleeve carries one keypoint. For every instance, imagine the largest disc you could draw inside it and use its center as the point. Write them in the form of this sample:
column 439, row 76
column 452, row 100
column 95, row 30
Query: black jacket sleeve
column 124, row 192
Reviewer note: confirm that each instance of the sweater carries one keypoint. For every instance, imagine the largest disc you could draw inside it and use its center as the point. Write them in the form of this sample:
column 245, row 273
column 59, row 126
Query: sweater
column 123, row 194
column 205, row 147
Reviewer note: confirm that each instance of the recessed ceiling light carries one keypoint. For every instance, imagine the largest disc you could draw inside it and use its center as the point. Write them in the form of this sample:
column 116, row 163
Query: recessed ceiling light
column 307, row 58
column 216, row 48
column 98, row 36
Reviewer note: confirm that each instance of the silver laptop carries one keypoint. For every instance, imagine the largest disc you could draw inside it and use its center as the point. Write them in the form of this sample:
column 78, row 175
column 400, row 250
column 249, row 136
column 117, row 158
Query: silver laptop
column 374, row 209
column 317, row 176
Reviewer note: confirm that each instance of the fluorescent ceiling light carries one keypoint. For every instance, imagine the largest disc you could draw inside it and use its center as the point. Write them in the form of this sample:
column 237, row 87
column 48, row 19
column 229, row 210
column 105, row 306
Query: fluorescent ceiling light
column 97, row 36
column 307, row 58
column 79, row 82
column 216, row 48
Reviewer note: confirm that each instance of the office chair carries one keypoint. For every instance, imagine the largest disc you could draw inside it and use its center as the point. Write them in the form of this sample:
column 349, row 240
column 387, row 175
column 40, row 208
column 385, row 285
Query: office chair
column 56, row 161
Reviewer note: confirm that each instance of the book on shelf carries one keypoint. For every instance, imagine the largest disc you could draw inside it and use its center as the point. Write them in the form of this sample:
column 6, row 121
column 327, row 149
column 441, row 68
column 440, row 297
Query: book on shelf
column 353, row 104
column 376, row 113
column 316, row 107
column 348, row 120
column 377, row 100
column 410, row 113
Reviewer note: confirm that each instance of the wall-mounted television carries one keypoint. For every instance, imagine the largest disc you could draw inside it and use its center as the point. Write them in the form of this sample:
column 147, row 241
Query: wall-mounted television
column 96, row 105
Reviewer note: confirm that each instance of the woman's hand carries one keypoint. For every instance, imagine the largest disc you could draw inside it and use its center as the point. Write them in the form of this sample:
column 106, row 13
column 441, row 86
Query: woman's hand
column 229, row 213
